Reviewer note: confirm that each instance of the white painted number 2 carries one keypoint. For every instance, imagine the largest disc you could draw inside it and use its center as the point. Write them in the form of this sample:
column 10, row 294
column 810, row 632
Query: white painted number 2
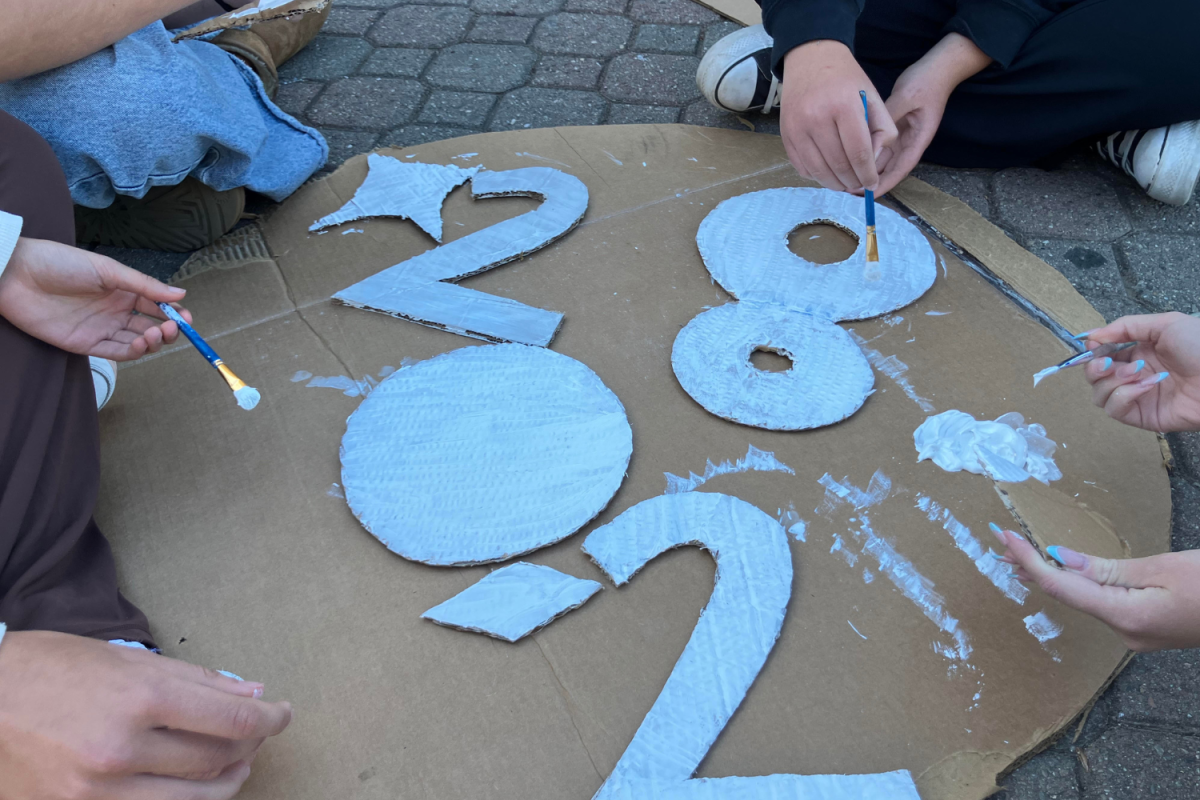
column 419, row 289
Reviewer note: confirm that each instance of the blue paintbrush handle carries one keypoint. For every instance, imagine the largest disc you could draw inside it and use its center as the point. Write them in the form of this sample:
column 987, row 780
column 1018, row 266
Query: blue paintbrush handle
column 869, row 194
column 190, row 333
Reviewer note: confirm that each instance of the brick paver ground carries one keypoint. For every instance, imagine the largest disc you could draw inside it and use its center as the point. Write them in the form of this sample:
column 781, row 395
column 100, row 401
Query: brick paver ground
column 395, row 72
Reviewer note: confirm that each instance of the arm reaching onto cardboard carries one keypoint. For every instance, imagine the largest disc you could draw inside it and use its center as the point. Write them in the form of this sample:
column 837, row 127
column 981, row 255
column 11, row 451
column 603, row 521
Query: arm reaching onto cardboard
column 821, row 115
column 1151, row 603
column 84, row 302
column 1144, row 397
column 87, row 719
column 36, row 36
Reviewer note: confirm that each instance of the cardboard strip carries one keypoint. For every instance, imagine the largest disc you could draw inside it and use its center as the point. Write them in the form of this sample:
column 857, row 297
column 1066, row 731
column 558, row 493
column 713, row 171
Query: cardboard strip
column 247, row 15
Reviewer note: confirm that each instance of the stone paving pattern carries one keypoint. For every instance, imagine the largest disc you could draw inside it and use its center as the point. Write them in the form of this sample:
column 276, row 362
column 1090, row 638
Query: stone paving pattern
column 394, row 72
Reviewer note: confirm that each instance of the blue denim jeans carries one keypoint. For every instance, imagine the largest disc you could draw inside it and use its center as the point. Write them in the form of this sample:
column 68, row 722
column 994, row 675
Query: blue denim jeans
column 149, row 112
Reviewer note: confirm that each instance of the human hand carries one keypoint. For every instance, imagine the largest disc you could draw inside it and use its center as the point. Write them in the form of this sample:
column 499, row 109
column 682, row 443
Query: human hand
column 84, row 302
column 1162, row 392
column 918, row 101
column 1151, row 603
column 821, row 117
column 80, row 718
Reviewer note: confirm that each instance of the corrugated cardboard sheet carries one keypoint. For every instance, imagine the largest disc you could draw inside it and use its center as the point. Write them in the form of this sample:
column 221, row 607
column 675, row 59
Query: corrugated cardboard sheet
column 230, row 534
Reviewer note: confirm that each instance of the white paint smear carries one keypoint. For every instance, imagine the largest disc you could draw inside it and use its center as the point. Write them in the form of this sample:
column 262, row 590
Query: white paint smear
column 421, row 289
column 839, row 547
column 791, row 522
column 335, row 490
column 484, row 453
column 405, row 189
column 514, row 601
column 755, row 460
column 744, row 244
column 614, row 159
column 543, row 158
column 1005, row 449
column 301, row 375
column 733, row 637
column 895, row 567
column 829, row 379
column 895, row 369
column 856, row 630
column 937, row 313
column 1044, row 630
column 998, row 573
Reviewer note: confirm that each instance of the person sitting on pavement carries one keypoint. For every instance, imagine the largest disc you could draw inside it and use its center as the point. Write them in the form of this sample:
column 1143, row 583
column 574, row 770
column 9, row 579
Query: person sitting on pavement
column 1152, row 603
column 159, row 139
column 969, row 83
column 86, row 710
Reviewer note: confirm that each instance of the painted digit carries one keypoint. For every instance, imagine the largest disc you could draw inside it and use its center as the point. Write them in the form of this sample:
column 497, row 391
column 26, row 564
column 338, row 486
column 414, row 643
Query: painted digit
column 417, row 289
column 732, row 639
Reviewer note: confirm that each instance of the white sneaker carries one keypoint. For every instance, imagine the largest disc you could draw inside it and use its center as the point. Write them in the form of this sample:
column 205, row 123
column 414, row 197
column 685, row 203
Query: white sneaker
column 1164, row 161
column 104, row 378
column 735, row 74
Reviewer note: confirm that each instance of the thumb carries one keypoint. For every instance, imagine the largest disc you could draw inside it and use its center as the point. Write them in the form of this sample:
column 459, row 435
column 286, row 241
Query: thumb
column 116, row 276
column 883, row 127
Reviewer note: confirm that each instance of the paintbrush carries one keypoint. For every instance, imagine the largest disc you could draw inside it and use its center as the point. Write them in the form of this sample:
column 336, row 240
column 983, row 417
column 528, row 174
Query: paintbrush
column 1082, row 358
column 247, row 396
column 872, row 244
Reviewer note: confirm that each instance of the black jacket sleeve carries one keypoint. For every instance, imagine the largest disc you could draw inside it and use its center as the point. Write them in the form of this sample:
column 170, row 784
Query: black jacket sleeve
column 998, row 27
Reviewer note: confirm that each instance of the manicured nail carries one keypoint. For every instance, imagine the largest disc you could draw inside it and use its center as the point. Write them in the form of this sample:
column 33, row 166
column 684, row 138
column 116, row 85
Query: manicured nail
column 258, row 693
column 996, row 529
column 1105, row 364
column 1081, row 336
column 1067, row 557
column 1153, row 379
column 996, row 556
column 1138, row 366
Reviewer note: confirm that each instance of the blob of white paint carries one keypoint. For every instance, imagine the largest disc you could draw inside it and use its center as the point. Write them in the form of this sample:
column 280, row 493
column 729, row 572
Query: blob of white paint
column 937, row 313
column 247, row 397
column 829, row 379
column 895, row 567
column 895, row 370
column 406, row 189
column 335, row 490
column 301, row 375
column 744, row 244
column 417, row 289
column 997, row 572
column 484, row 453
column 347, row 386
column 352, row 230
column 1046, row 373
column 867, row 575
column 755, row 460
column 514, row 601
column 261, row 5
column 791, row 522
column 1006, row 449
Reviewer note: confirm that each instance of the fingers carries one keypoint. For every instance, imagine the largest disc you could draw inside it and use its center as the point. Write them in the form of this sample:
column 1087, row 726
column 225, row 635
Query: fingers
column 115, row 275
column 1069, row 588
column 150, row 308
column 855, row 147
column 1135, row 328
column 209, row 677
column 883, row 126
column 116, row 351
column 181, row 754
column 1114, row 377
column 201, row 709
column 154, row 787
column 818, row 169
column 1129, row 573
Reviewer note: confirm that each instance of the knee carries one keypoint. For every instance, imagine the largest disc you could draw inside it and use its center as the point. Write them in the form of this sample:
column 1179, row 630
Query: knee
column 32, row 184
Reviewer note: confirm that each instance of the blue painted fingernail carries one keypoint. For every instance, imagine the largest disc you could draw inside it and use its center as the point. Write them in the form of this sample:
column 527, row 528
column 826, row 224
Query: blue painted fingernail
column 1159, row 378
column 996, row 529
column 1081, row 336
column 1067, row 557
column 1139, row 365
column 1105, row 365
column 996, row 556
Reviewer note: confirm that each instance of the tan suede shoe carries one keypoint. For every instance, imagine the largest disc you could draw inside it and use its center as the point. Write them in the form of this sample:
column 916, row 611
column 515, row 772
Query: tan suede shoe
column 265, row 46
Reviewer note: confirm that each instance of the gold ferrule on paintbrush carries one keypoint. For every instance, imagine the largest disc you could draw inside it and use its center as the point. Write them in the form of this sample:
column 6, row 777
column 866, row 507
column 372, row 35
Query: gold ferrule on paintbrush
column 234, row 381
column 872, row 245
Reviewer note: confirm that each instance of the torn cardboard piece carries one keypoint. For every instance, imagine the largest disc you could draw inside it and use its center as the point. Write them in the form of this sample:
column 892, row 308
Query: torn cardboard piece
column 746, row 12
column 261, row 11
column 244, row 554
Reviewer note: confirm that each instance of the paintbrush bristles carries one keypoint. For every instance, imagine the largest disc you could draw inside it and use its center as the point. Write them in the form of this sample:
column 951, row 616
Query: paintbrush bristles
column 872, row 244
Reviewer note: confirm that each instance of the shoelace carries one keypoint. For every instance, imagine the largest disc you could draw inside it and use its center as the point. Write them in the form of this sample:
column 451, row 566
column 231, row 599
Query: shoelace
column 772, row 94
column 1119, row 148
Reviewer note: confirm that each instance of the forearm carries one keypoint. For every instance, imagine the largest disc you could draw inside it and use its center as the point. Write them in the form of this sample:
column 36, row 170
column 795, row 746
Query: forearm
column 36, row 37
column 954, row 59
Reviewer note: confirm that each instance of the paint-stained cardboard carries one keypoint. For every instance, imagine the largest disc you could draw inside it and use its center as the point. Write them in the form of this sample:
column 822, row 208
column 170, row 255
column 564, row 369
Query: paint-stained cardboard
column 261, row 11
column 230, row 532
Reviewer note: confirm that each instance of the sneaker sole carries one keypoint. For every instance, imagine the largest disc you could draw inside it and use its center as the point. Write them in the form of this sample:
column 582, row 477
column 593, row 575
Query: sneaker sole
column 173, row 219
column 1177, row 173
column 724, row 56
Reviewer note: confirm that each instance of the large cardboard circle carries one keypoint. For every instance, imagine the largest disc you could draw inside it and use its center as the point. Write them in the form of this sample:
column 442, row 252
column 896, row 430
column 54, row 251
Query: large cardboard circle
column 483, row 454
column 245, row 559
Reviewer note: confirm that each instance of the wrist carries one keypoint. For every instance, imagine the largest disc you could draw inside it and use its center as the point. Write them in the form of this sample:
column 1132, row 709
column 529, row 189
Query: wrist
column 954, row 59
column 818, row 49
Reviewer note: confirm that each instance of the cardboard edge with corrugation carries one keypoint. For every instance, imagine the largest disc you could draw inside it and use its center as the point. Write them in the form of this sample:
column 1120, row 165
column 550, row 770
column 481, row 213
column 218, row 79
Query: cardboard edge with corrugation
column 239, row 18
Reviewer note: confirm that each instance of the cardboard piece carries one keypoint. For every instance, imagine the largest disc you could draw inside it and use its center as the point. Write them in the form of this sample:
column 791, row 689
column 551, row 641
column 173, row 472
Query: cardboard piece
column 261, row 11
column 245, row 558
column 746, row 12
